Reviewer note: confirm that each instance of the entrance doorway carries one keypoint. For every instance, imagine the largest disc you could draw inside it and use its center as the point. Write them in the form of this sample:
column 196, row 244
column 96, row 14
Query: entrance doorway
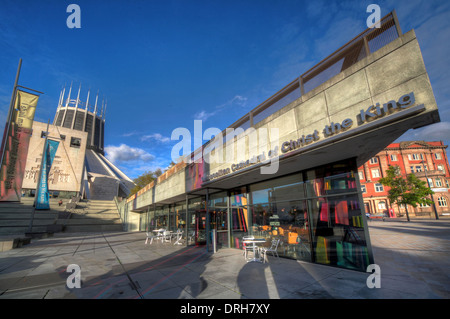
column 218, row 222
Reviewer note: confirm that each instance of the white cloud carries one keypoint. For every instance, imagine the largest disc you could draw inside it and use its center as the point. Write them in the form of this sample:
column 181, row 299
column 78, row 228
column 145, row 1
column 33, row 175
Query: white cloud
column 156, row 136
column 239, row 100
column 130, row 134
column 435, row 132
column 203, row 115
column 236, row 100
column 125, row 153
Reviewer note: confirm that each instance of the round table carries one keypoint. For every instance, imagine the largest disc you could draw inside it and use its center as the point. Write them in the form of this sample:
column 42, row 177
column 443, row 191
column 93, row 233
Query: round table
column 254, row 242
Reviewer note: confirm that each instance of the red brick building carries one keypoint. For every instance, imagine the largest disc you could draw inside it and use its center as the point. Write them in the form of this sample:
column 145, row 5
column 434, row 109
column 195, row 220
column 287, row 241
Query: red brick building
column 425, row 159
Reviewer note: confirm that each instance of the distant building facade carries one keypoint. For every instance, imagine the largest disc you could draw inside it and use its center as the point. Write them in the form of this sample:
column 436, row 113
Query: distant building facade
column 424, row 159
column 79, row 167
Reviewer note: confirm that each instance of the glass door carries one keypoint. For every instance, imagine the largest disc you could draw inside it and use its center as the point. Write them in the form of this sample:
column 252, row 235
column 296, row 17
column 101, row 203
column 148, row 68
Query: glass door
column 219, row 223
column 200, row 227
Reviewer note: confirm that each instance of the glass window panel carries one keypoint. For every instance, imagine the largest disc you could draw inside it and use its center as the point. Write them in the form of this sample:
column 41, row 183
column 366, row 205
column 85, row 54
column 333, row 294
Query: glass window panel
column 177, row 216
column 239, row 225
column 330, row 185
column 324, row 180
column 286, row 221
column 280, row 189
column 442, row 201
column 160, row 219
column 218, row 200
column 361, row 175
column 375, row 173
column 338, row 232
column 238, row 197
column 143, row 222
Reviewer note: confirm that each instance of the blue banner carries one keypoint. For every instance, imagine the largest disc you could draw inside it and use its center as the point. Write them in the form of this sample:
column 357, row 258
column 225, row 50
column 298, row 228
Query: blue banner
column 42, row 201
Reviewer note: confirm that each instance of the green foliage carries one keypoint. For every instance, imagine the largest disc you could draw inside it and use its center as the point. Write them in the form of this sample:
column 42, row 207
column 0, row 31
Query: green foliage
column 406, row 191
column 143, row 180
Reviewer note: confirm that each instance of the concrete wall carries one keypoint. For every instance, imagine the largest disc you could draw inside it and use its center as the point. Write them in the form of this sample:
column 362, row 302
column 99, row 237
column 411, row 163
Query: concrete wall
column 103, row 187
column 387, row 74
column 172, row 186
column 67, row 168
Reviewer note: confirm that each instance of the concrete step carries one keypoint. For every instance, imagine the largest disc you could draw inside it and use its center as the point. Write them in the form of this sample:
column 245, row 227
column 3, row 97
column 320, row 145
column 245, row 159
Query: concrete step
column 20, row 207
column 13, row 230
column 100, row 209
column 26, row 222
column 89, row 216
column 15, row 208
column 20, row 230
column 19, row 216
column 89, row 221
column 15, row 218
column 93, row 228
column 96, row 206
column 94, row 216
column 11, row 242
column 101, row 201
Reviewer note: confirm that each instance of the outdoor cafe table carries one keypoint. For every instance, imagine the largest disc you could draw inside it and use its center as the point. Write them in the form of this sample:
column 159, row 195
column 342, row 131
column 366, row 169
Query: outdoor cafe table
column 159, row 232
column 254, row 242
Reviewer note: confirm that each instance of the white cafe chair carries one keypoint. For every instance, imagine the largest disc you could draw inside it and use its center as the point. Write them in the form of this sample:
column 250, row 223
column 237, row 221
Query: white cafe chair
column 272, row 249
column 166, row 237
column 244, row 245
column 179, row 236
column 149, row 236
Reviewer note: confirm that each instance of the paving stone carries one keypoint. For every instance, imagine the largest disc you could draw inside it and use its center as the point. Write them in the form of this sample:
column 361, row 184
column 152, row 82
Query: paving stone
column 413, row 257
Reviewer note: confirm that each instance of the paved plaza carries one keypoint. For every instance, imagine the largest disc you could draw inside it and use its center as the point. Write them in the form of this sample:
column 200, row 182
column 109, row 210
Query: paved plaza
column 413, row 257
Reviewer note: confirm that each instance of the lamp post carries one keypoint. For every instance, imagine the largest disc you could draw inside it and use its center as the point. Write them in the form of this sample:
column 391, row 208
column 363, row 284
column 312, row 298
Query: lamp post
column 429, row 186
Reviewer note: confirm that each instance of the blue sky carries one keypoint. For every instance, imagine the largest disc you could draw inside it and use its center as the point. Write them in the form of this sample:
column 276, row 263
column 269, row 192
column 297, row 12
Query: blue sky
column 163, row 64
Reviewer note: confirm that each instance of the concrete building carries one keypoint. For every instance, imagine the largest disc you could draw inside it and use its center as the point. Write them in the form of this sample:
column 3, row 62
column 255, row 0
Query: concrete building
column 424, row 159
column 288, row 169
column 67, row 172
column 80, row 167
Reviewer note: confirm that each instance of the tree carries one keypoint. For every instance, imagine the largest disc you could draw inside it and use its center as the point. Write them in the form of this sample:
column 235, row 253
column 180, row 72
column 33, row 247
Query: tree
column 406, row 191
column 143, row 180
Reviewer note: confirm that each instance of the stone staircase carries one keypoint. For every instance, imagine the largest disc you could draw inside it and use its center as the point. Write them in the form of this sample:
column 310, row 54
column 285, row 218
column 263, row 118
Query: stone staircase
column 15, row 220
column 93, row 216
column 88, row 216
column 15, row 216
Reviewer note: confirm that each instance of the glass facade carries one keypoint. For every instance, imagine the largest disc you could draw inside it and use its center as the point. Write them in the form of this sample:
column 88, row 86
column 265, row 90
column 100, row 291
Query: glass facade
column 316, row 214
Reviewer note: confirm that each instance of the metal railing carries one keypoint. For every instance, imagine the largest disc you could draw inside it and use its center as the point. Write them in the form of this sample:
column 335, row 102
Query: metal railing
column 361, row 46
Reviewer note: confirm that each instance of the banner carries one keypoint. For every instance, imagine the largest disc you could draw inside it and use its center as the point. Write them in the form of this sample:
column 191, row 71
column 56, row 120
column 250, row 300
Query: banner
column 15, row 146
column 42, row 201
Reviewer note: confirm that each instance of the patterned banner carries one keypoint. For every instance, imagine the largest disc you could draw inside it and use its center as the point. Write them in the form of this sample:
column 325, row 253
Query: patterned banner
column 15, row 145
column 42, row 201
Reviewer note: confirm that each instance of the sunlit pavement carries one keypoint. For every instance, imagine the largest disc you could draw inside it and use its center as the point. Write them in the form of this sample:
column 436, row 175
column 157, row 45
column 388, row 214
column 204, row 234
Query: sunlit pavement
column 413, row 258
